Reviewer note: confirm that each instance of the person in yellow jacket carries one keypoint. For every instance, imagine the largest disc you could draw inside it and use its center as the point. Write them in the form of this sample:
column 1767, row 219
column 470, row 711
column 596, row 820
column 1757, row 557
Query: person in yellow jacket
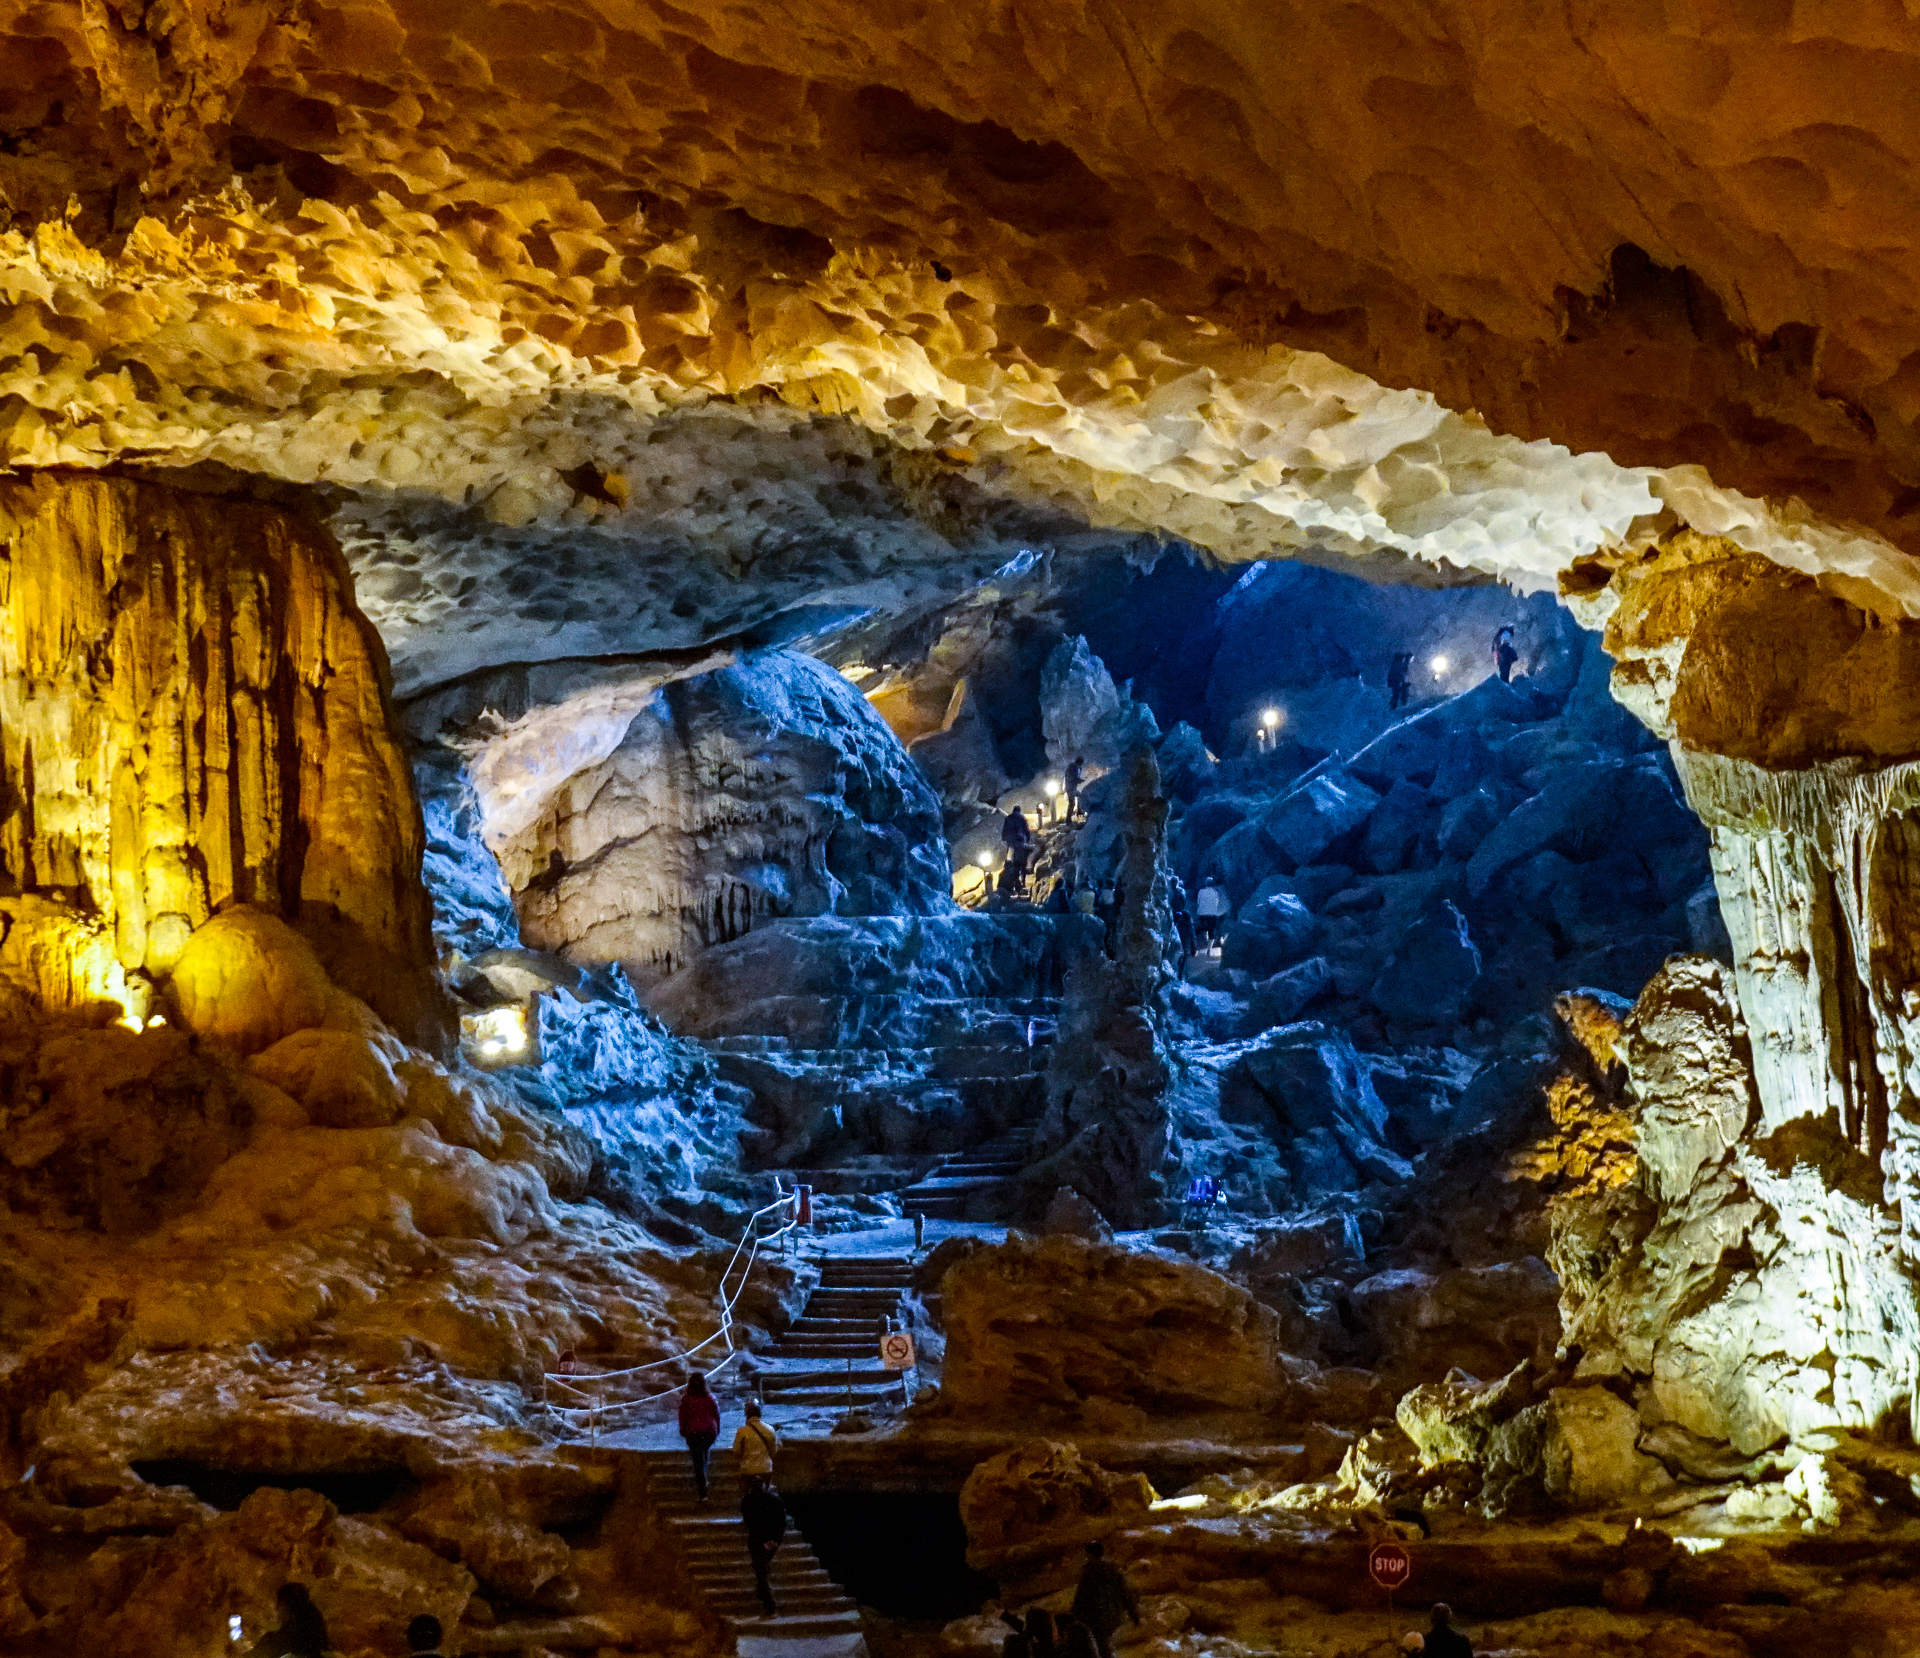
column 754, row 1445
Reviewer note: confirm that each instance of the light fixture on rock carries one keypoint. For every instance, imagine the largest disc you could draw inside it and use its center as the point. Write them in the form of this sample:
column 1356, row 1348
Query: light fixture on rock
column 1439, row 664
column 501, row 1036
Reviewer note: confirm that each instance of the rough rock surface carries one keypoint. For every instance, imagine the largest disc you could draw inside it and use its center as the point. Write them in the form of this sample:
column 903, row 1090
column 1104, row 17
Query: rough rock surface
column 759, row 791
column 1064, row 1326
column 221, row 707
column 1751, row 1276
column 1041, row 1498
column 915, row 234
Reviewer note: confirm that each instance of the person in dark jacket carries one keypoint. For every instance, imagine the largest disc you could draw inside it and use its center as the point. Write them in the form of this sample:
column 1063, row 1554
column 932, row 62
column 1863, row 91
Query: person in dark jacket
column 1399, row 680
column 765, row 1516
column 302, row 1632
column 1443, row 1640
column 1505, row 654
column 1076, row 774
column 1105, row 1599
column 699, row 1426
column 424, row 1636
column 1182, row 918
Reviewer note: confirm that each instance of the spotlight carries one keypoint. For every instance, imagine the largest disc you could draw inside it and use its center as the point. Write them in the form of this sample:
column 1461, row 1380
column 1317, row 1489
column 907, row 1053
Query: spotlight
column 1439, row 664
column 1055, row 786
column 503, row 1035
column 1271, row 718
column 985, row 860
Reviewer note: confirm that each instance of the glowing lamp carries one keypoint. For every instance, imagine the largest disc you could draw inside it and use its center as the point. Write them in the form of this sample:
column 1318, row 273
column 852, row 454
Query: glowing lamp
column 500, row 1035
column 1055, row 786
column 985, row 860
column 1270, row 718
column 1439, row 664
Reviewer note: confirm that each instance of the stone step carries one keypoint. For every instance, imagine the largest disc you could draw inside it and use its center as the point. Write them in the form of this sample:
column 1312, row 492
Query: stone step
column 796, row 1628
column 837, row 1395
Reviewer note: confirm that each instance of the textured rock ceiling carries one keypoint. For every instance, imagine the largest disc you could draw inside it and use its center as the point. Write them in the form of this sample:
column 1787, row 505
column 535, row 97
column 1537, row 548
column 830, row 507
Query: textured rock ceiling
column 1243, row 274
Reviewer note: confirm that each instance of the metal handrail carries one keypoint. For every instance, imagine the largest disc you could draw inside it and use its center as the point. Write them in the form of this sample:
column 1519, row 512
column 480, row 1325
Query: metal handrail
column 751, row 1239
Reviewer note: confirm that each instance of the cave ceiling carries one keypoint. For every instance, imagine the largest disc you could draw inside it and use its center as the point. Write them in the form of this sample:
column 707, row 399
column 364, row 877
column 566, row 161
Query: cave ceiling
column 613, row 327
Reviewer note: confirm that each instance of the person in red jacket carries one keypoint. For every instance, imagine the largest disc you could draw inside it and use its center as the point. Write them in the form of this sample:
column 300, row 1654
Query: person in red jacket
column 699, row 1426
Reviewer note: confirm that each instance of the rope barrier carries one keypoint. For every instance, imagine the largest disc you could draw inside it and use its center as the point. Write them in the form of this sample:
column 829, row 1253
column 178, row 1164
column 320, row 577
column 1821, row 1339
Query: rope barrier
column 751, row 1240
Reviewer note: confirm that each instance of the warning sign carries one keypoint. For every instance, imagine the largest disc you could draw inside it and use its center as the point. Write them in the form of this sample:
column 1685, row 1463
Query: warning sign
column 896, row 1350
column 1390, row 1566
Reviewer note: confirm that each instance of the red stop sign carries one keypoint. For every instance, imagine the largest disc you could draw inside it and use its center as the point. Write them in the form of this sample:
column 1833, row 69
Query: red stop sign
column 1389, row 1565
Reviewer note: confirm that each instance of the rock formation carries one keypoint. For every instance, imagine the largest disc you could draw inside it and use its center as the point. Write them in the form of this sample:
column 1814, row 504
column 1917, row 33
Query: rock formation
column 755, row 792
column 1106, row 1128
column 195, row 715
column 1081, row 1331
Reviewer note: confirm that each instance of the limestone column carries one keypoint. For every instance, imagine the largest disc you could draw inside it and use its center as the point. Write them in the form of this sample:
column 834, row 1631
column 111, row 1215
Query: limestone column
column 193, row 713
column 1793, row 715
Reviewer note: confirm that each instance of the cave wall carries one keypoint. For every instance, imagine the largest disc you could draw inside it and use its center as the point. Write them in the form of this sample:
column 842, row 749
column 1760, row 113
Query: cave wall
column 193, row 714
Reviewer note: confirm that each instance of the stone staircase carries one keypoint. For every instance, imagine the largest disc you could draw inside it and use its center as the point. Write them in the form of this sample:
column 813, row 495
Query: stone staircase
column 954, row 1184
column 833, row 1347
column 922, row 1078
column 813, row 1615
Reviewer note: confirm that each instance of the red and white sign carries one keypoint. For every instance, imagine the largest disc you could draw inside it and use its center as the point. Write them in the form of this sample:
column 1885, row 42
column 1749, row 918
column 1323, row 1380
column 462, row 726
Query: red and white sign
column 896, row 1350
column 1389, row 1565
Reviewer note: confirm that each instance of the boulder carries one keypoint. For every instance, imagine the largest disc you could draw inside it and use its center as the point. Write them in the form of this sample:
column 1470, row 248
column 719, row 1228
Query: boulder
column 1454, row 1420
column 1586, row 810
column 1494, row 703
column 465, row 1516
column 1269, row 935
column 1308, row 1079
column 1410, row 750
column 1045, row 1498
column 1429, row 979
column 1310, row 817
column 1070, row 1215
column 1241, row 859
column 1482, row 1320
column 1592, row 1454
column 339, row 1077
column 1185, row 765
column 1061, row 1323
column 1299, row 1249
column 1467, row 820
column 1464, row 764
column 1317, row 883
column 1394, row 830
column 248, row 979
column 1282, row 998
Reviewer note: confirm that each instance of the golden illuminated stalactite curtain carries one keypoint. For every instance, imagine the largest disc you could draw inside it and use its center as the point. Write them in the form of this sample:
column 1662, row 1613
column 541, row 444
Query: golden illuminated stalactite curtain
column 193, row 714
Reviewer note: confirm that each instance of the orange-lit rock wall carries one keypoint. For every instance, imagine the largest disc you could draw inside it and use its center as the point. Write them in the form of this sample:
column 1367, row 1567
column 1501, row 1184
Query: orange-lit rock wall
column 193, row 714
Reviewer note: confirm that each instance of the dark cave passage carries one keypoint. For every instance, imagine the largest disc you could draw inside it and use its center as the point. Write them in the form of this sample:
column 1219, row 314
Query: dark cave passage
column 227, row 1488
column 902, row 1553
